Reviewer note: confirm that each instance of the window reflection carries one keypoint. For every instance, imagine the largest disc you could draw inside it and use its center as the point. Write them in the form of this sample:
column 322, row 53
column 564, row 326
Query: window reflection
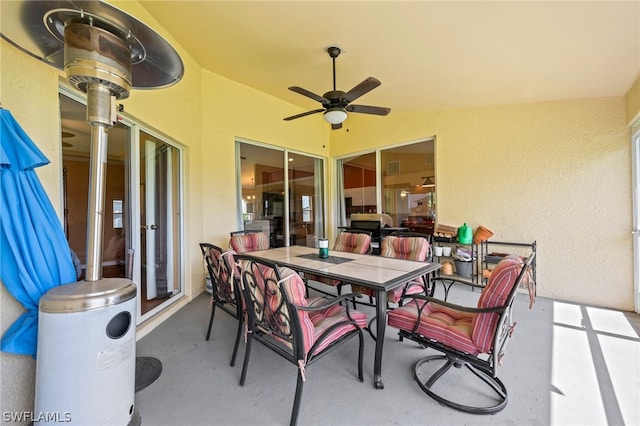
column 289, row 210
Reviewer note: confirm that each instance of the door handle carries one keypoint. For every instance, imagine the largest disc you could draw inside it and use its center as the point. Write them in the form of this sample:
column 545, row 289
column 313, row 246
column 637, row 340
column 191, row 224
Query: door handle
column 151, row 227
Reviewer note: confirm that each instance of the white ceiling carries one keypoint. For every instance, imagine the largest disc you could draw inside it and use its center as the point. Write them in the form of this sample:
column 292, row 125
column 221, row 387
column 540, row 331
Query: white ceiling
column 428, row 54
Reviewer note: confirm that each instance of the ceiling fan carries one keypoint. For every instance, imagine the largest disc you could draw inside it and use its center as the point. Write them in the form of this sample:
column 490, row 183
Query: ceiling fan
column 336, row 103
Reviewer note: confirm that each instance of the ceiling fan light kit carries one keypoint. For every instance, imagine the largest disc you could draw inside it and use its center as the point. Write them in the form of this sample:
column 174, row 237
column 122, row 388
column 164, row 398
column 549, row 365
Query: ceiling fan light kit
column 335, row 115
column 336, row 103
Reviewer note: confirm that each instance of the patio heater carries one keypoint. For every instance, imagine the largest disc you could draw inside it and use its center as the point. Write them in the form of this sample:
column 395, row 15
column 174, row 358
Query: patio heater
column 105, row 53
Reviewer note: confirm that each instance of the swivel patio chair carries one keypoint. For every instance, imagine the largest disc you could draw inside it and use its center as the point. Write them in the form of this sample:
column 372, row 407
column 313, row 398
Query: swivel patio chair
column 471, row 337
column 226, row 293
column 298, row 329
column 246, row 241
column 351, row 241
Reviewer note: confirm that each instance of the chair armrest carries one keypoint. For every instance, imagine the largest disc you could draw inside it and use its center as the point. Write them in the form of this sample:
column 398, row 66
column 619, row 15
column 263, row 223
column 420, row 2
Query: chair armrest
column 456, row 280
column 326, row 302
column 331, row 302
column 458, row 307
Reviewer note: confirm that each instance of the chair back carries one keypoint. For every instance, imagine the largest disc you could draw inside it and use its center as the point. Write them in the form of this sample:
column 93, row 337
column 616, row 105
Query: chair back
column 221, row 273
column 271, row 293
column 405, row 247
column 244, row 232
column 510, row 272
column 353, row 242
column 246, row 242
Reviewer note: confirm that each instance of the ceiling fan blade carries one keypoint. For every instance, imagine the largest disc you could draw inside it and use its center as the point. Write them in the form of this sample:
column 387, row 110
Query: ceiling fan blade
column 367, row 109
column 293, row 117
column 308, row 94
column 336, row 126
column 366, row 86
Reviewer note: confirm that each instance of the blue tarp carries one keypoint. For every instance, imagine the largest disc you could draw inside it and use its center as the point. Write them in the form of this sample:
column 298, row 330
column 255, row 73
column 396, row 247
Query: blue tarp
column 34, row 252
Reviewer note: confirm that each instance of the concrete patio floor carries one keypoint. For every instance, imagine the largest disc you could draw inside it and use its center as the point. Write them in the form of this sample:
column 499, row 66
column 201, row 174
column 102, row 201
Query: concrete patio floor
column 567, row 364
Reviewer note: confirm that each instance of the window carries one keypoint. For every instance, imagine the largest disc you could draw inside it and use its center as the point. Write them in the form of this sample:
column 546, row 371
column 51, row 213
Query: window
column 307, row 210
column 117, row 214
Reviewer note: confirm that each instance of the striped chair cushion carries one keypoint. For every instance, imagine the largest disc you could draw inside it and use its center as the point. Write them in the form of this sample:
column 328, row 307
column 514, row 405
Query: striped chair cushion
column 407, row 248
column 323, row 320
column 353, row 243
column 315, row 323
column 394, row 295
column 465, row 331
column 249, row 242
column 502, row 280
column 324, row 280
column 449, row 326
column 295, row 289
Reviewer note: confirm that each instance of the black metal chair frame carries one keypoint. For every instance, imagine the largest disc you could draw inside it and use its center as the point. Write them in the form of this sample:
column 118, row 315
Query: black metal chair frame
column 484, row 369
column 224, row 296
column 269, row 330
column 429, row 288
column 244, row 232
column 339, row 285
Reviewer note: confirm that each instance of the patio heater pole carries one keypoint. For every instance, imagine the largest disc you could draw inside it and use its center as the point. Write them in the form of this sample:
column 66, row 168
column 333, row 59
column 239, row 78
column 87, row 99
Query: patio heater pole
column 99, row 101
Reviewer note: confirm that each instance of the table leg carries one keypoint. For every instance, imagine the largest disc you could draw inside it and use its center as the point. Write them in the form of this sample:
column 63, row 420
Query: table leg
column 381, row 325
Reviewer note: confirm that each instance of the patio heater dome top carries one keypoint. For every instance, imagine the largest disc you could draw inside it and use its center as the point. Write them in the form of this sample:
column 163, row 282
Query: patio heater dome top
column 104, row 53
column 93, row 42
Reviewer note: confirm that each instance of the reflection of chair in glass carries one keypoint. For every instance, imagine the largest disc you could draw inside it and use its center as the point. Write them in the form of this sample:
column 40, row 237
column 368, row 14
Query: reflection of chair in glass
column 352, row 241
column 226, row 293
column 298, row 329
column 246, row 241
column 407, row 246
column 245, row 232
column 471, row 337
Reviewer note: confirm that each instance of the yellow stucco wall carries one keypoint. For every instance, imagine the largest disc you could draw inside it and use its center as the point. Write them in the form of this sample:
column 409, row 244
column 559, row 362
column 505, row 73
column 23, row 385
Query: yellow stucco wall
column 632, row 99
column 24, row 83
column 554, row 172
column 233, row 111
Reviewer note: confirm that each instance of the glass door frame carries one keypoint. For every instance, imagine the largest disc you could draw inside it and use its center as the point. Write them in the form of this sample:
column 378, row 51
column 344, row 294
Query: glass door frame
column 136, row 219
column 635, row 232
column 134, row 240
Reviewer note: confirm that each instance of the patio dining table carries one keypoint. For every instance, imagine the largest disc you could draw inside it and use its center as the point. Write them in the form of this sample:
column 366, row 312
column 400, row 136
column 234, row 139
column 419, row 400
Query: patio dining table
column 376, row 272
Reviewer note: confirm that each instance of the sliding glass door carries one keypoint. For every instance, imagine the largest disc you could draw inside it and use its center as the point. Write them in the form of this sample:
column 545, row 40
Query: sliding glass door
column 399, row 183
column 158, row 217
column 281, row 194
column 306, row 179
column 141, row 206
column 409, row 185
